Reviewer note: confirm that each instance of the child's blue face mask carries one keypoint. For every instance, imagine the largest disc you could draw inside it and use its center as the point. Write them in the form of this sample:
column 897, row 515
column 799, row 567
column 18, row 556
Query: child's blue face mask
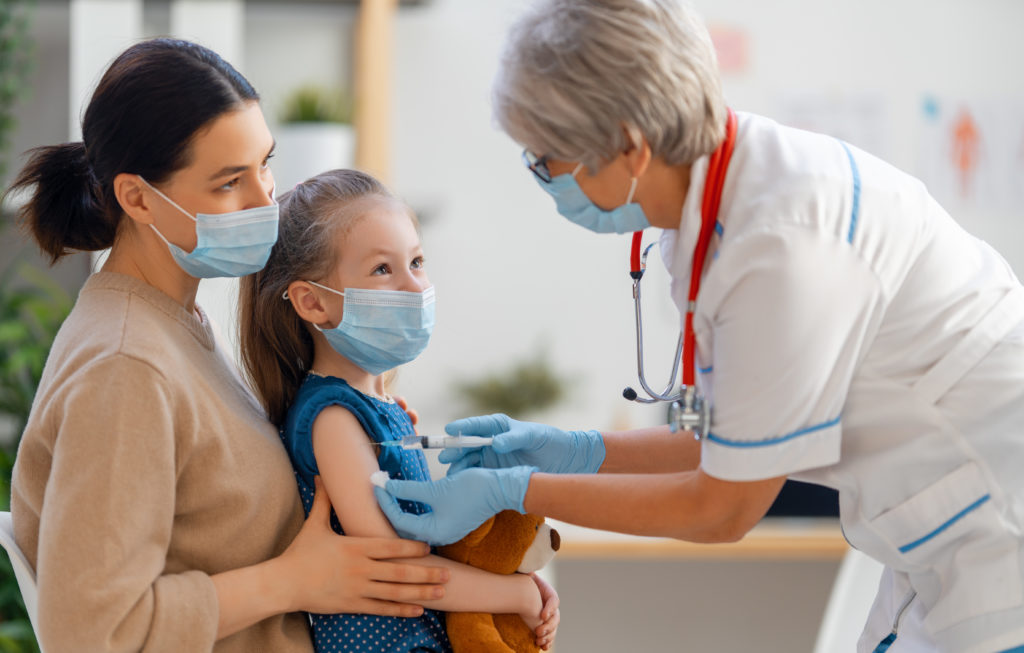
column 382, row 329
column 227, row 244
column 573, row 203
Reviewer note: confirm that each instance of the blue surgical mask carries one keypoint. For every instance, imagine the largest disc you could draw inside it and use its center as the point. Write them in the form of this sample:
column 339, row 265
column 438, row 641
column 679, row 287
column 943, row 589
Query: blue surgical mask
column 573, row 203
column 382, row 329
column 227, row 244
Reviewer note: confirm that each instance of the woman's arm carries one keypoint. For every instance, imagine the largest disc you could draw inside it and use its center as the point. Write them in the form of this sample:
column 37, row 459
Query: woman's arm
column 345, row 458
column 686, row 505
column 552, row 450
column 650, row 451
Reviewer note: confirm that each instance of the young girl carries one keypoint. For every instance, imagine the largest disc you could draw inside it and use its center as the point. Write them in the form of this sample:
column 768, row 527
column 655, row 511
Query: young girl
column 343, row 299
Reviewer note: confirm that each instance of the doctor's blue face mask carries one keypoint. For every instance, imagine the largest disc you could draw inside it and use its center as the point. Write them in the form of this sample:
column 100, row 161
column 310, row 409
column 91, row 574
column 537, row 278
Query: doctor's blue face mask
column 381, row 329
column 227, row 244
column 573, row 203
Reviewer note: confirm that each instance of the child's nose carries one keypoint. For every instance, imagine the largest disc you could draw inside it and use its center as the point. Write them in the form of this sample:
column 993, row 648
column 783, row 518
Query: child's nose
column 415, row 283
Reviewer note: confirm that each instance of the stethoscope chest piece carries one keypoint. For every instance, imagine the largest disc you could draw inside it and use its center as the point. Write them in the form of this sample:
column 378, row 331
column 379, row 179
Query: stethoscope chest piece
column 691, row 412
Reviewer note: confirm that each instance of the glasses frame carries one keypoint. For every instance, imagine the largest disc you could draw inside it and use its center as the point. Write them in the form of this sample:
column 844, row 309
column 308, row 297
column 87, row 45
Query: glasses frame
column 538, row 165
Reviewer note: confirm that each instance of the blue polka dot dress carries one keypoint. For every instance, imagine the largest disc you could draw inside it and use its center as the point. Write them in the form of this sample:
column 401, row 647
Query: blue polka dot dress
column 382, row 420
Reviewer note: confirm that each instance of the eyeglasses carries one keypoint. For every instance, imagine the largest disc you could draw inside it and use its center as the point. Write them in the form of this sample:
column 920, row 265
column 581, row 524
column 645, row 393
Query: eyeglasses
column 537, row 165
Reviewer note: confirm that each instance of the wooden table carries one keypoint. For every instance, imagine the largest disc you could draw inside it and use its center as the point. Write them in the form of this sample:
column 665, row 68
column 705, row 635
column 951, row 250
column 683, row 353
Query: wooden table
column 775, row 538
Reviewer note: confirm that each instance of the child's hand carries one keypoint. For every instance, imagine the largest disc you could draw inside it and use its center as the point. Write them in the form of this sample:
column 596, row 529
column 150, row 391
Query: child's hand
column 414, row 416
column 533, row 605
column 545, row 632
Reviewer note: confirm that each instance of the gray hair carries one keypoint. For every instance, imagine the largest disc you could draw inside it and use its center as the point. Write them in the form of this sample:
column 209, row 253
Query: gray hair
column 575, row 72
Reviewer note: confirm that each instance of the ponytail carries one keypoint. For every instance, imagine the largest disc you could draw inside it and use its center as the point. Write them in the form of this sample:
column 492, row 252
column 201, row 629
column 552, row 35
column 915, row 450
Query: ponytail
column 64, row 212
column 277, row 351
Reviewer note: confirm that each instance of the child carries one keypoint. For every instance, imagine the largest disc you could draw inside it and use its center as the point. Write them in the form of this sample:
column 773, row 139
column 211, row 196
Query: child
column 343, row 299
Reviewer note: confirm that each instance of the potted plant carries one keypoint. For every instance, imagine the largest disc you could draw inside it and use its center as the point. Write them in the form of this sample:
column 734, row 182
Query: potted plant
column 522, row 390
column 315, row 134
column 32, row 308
column 16, row 50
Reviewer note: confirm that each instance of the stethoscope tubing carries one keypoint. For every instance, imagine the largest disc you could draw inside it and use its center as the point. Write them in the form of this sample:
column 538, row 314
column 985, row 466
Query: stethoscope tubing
column 685, row 349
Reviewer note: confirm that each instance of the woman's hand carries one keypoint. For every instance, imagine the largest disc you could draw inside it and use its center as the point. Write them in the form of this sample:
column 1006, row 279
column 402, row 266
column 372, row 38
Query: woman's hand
column 414, row 416
column 550, row 614
column 329, row 573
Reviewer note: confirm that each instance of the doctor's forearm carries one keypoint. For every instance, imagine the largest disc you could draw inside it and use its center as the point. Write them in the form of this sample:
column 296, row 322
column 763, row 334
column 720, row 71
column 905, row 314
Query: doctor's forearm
column 650, row 451
column 666, row 505
column 689, row 506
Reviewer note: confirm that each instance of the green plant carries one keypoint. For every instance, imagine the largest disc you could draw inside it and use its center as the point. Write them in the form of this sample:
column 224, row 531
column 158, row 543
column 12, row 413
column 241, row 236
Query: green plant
column 317, row 104
column 15, row 62
column 526, row 387
column 32, row 308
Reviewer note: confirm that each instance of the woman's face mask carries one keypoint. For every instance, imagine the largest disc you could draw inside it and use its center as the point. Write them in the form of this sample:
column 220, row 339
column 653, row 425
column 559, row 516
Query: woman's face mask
column 227, row 244
column 573, row 203
column 381, row 329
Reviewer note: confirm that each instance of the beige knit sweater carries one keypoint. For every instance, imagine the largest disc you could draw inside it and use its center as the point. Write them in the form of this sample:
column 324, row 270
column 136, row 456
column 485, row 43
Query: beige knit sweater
column 146, row 467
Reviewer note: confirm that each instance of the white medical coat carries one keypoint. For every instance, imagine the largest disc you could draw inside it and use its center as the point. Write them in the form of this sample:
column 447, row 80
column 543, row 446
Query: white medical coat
column 850, row 333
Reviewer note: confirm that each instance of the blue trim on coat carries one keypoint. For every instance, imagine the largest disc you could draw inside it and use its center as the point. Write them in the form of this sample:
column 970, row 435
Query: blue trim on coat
column 884, row 645
column 771, row 441
column 949, row 522
column 855, row 211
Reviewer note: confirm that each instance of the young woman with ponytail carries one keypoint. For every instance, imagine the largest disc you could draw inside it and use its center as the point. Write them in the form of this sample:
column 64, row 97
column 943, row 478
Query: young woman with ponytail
column 150, row 493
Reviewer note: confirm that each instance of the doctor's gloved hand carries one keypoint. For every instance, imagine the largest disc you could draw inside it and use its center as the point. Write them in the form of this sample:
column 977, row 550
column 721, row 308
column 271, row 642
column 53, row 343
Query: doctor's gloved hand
column 459, row 502
column 525, row 443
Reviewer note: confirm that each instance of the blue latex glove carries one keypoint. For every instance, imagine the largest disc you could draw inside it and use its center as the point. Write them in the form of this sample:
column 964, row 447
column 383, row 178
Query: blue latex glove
column 459, row 502
column 525, row 443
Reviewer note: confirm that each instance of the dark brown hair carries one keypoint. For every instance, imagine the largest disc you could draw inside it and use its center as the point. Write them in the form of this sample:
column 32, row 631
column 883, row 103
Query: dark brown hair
column 141, row 119
column 277, row 349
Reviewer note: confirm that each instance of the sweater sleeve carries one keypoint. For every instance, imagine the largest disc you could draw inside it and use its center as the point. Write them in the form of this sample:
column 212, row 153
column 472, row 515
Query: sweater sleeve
column 108, row 518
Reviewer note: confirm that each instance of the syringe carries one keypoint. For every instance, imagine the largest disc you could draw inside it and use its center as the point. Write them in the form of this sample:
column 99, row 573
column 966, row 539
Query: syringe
column 439, row 442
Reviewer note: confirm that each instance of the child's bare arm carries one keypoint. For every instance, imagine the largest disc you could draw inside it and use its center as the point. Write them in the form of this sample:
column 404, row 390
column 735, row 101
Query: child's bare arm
column 346, row 458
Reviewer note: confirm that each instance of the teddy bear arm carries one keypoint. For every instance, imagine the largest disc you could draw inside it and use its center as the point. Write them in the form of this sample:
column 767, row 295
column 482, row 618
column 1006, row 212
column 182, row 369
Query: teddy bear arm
column 475, row 632
column 515, row 633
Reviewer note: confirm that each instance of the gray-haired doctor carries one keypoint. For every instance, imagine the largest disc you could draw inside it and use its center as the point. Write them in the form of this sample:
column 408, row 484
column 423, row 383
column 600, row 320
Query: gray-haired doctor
column 847, row 332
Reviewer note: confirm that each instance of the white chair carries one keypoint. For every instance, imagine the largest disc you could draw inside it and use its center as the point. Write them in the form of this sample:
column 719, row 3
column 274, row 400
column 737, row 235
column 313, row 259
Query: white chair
column 849, row 603
column 22, row 570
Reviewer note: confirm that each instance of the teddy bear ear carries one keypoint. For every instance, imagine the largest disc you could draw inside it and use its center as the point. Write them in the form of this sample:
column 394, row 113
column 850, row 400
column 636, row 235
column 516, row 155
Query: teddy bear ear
column 477, row 536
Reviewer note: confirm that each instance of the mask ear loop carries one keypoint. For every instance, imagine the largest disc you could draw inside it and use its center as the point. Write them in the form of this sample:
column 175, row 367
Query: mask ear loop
column 167, row 199
column 632, row 190
column 320, row 285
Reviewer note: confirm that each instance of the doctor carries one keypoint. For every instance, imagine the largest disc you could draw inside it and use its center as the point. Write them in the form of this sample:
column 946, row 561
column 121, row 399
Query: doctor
column 848, row 332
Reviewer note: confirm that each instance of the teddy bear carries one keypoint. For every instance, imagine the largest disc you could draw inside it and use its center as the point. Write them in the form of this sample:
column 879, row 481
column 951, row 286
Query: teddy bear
column 506, row 543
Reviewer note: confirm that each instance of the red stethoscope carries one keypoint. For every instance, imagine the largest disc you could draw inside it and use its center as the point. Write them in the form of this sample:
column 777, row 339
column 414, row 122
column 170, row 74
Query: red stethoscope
column 689, row 410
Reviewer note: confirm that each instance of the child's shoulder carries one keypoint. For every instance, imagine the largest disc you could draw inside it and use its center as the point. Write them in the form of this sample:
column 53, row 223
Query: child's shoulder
column 315, row 394
column 316, row 386
column 318, row 392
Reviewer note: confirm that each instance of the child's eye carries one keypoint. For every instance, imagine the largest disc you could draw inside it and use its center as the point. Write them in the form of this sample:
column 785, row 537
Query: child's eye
column 381, row 269
column 417, row 263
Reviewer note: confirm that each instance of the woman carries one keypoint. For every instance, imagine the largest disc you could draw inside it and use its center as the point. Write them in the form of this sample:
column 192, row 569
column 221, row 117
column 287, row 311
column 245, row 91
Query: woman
column 150, row 493
column 847, row 332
